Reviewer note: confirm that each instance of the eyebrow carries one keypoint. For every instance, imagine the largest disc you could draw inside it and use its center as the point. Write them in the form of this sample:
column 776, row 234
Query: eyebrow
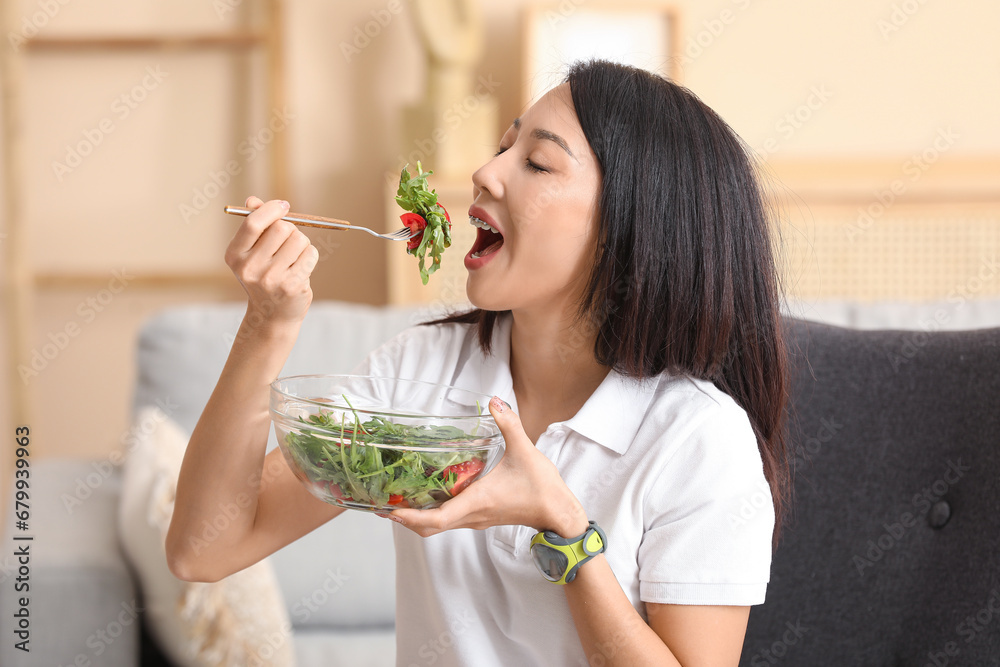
column 539, row 133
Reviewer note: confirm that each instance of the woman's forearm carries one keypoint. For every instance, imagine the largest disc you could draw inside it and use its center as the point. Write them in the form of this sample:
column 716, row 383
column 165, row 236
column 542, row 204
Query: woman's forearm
column 217, row 490
column 610, row 629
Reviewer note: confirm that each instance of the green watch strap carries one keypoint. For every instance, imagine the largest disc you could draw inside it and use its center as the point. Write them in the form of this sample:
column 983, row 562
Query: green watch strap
column 559, row 558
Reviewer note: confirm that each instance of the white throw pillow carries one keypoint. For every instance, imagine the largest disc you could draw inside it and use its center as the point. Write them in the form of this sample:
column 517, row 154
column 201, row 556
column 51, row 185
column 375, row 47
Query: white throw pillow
column 238, row 621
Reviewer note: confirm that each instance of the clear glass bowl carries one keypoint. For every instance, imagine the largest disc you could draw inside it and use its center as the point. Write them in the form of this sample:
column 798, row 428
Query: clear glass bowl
column 375, row 444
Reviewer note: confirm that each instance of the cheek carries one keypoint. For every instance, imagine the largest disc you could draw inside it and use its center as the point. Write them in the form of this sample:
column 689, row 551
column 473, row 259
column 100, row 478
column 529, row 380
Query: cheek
column 573, row 226
column 556, row 246
column 556, row 228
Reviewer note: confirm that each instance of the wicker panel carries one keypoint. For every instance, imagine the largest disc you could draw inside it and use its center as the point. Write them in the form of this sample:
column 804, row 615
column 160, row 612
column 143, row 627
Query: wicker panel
column 910, row 254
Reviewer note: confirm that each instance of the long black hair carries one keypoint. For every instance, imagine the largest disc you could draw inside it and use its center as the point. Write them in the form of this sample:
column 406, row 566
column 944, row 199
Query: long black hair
column 684, row 279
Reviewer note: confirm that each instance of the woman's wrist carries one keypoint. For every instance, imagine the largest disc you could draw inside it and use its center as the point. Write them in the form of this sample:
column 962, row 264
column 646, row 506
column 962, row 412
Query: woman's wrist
column 260, row 350
column 264, row 327
column 569, row 520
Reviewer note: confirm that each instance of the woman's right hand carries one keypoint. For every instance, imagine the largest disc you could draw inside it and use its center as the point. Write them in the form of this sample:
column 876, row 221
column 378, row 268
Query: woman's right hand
column 273, row 260
column 225, row 463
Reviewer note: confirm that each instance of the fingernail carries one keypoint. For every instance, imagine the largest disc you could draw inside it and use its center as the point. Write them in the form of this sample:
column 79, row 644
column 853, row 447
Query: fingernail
column 498, row 404
column 284, row 204
column 396, row 519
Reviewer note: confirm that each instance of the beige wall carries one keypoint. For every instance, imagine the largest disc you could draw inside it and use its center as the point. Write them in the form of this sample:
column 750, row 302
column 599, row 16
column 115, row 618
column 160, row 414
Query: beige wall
column 867, row 103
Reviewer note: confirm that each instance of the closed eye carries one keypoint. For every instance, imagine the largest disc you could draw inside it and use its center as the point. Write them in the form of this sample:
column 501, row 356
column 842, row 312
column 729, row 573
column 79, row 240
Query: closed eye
column 531, row 166
column 528, row 164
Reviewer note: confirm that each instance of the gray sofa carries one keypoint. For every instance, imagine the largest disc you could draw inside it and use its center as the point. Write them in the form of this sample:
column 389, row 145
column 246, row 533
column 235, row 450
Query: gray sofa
column 894, row 544
column 81, row 582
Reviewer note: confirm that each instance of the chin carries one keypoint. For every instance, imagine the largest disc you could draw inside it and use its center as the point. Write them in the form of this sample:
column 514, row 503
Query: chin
column 479, row 299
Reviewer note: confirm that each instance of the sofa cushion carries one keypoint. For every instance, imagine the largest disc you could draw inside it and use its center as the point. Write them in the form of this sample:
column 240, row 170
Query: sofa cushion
column 228, row 623
column 81, row 591
column 372, row 647
column 891, row 553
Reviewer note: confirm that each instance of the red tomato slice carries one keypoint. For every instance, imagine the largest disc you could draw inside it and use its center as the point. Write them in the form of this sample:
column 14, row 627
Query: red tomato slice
column 415, row 223
column 464, row 474
column 397, row 499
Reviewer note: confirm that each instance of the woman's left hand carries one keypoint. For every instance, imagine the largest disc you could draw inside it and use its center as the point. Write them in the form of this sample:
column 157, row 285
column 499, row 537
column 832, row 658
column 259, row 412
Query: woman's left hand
column 523, row 489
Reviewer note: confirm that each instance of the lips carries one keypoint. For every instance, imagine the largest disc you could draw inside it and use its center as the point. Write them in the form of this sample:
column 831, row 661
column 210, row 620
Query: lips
column 489, row 239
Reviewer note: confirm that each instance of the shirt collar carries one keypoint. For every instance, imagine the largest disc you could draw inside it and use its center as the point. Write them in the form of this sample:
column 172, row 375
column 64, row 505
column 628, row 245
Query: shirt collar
column 491, row 375
column 612, row 415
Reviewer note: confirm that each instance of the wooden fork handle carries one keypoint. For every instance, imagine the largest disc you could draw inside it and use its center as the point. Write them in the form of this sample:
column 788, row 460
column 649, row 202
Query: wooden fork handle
column 301, row 219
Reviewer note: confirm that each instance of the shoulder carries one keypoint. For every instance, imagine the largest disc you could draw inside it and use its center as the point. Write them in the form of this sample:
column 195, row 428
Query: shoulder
column 707, row 512
column 699, row 418
column 707, row 455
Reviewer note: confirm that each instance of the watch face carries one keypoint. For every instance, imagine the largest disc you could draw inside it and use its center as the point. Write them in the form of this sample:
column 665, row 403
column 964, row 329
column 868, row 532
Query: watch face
column 552, row 563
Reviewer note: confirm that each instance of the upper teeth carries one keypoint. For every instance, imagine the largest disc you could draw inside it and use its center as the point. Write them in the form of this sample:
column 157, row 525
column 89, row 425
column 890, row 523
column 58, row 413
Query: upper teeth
column 482, row 224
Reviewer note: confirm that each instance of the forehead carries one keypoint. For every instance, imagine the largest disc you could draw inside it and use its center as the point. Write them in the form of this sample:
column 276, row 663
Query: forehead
column 555, row 112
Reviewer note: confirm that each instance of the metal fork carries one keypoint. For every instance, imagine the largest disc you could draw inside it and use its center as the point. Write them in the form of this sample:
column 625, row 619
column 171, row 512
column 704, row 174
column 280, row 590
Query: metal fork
column 304, row 220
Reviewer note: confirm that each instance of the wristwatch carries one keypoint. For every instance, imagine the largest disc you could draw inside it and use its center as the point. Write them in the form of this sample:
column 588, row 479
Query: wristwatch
column 558, row 558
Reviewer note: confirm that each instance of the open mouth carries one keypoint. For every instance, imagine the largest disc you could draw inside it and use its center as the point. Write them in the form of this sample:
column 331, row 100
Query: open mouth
column 488, row 240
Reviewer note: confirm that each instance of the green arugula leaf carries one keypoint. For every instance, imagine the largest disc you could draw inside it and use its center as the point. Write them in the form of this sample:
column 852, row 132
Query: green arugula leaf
column 413, row 195
column 343, row 454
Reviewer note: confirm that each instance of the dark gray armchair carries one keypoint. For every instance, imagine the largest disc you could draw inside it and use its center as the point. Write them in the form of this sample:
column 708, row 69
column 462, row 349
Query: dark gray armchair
column 892, row 552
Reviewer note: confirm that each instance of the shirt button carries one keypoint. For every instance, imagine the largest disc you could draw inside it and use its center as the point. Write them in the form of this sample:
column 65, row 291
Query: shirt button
column 939, row 514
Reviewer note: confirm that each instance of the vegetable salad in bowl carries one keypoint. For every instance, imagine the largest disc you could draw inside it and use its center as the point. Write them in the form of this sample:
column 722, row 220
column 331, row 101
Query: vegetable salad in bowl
column 375, row 444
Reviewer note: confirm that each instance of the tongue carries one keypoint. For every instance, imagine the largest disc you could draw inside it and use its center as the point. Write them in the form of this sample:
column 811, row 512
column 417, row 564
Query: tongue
column 493, row 247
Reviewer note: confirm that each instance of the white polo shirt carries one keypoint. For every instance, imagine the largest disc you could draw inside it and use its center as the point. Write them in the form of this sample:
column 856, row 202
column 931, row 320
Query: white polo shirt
column 669, row 468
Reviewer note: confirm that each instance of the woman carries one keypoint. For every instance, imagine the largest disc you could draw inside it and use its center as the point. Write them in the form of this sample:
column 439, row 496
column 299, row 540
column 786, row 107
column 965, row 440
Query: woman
column 627, row 313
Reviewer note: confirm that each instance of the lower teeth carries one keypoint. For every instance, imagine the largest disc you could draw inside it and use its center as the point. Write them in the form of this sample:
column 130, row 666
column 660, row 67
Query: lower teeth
column 488, row 251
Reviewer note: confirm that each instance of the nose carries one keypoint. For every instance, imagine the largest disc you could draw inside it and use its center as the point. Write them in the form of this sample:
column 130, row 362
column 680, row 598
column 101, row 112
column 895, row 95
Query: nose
column 488, row 179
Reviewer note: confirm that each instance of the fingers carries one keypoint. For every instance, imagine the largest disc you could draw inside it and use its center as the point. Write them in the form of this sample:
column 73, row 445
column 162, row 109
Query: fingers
column 306, row 261
column 270, row 250
column 255, row 224
column 501, row 410
column 469, row 509
column 525, row 488
column 428, row 522
column 289, row 249
column 509, row 424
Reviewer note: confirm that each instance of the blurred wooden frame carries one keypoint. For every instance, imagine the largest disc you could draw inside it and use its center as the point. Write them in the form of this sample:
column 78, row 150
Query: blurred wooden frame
column 19, row 279
column 544, row 25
